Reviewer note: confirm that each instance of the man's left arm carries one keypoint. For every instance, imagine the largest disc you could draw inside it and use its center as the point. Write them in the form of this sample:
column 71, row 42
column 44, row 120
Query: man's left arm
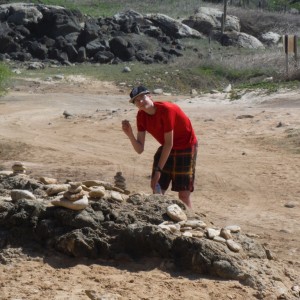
column 167, row 147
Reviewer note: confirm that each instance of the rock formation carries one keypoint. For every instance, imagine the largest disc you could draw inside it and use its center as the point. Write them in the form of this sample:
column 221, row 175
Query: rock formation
column 138, row 225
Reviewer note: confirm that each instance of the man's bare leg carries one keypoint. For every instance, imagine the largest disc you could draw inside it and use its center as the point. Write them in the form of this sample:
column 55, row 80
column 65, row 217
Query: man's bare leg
column 185, row 197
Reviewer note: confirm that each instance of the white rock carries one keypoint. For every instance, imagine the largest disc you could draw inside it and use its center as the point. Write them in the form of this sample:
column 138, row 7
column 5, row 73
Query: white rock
column 187, row 234
column 21, row 194
column 97, row 192
column 48, row 180
column 225, row 233
column 158, row 91
column 233, row 246
column 176, row 213
column 116, row 196
column 227, row 89
column 233, row 228
column 211, row 233
column 219, row 239
column 54, row 189
column 195, row 224
column 126, row 70
column 74, row 205
column 198, row 233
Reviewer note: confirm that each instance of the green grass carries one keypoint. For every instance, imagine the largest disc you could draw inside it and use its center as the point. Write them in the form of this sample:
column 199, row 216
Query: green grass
column 5, row 74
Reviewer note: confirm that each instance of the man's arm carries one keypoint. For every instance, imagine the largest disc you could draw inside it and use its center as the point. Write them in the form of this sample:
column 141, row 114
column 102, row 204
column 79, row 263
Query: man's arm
column 167, row 147
column 137, row 142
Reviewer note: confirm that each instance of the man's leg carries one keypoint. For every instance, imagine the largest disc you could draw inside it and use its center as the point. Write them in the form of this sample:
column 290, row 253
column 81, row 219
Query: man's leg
column 185, row 197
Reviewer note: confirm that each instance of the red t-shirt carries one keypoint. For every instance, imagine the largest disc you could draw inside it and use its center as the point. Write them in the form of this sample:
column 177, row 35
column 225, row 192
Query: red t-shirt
column 168, row 117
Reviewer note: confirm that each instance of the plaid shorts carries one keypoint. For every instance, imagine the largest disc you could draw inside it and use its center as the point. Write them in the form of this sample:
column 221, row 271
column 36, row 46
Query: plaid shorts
column 179, row 168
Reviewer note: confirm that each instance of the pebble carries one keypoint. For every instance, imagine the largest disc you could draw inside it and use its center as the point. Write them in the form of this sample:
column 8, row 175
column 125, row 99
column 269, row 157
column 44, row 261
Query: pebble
column 21, row 194
column 225, row 233
column 187, row 234
column 176, row 213
column 97, row 192
column 233, row 228
column 290, row 204
column 54, row 189
column 219, row 239
column 211, row 233
column 18, row 168
column 116, row 196
column 47, row 180
column 233, row 246
column 73, row 196
column 194, row 224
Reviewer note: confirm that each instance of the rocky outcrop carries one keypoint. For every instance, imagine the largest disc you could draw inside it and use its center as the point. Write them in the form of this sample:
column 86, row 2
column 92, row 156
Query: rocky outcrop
column 44, row 32
column 208, row 19
column 136, row 225
column 48, row 33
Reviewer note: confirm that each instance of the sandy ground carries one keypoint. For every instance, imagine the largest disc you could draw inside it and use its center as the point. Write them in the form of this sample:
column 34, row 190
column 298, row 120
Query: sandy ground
column 247, row 173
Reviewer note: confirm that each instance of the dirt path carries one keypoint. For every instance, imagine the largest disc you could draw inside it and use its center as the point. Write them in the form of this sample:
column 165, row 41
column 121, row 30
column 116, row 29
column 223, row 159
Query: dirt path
column 248, row 170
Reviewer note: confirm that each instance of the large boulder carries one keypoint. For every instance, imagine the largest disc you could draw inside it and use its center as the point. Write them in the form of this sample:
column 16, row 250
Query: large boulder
column 207, row 19
column 172, row 27
column 238, row 39
column 20, row 13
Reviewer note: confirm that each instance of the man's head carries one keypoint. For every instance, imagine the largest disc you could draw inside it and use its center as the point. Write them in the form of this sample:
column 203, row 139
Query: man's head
column 137, row 91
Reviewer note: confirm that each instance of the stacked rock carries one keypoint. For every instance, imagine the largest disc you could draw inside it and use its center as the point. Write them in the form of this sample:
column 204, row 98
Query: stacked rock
column 120, row 181
column 18, row 168
column 75, row 198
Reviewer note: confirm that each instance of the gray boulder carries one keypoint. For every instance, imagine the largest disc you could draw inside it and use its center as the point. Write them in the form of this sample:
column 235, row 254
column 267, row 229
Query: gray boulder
column 207, row 19
column 172, row 27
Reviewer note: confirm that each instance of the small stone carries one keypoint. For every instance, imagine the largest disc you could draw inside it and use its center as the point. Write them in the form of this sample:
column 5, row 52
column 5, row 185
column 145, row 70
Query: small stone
column 56, row 188
column 290, row 204
column 211, row 233
column 195, row 224
column 21, row 194
column 185, row 228
column 73, row 196
column 296, row 288
column 74, row 205
column 97, row 192
column 47, row 180
column 176, row 213
column 219, row 239
column 158, row 91
column 116, row 196
column 227, row 89
column 233, row 246
column 187, row 234
column 233, row 228
column 126, row 70
column 225, row 233
column 198, row 233
column 75, row 187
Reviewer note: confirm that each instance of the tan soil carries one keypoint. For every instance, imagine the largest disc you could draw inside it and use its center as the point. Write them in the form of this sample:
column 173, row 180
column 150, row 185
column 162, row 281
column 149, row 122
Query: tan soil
column 247, row 170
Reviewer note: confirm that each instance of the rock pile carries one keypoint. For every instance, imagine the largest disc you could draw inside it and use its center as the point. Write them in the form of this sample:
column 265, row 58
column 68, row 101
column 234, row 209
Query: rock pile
column 74, row 198
column 112, row 223
column 18, row 168
column 120, row 181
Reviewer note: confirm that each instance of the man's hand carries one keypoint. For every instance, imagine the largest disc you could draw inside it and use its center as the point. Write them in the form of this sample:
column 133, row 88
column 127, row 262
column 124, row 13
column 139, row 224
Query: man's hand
column 155, row 180
column 126, row 127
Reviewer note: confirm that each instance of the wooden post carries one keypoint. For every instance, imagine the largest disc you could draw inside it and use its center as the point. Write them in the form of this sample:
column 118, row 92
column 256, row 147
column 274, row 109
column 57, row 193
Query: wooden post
column 296, row 50
column 286, row 50
column 223, row 20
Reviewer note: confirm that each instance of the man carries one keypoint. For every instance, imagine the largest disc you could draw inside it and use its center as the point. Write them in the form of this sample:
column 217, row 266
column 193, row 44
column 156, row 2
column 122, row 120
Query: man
column 175, row 159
